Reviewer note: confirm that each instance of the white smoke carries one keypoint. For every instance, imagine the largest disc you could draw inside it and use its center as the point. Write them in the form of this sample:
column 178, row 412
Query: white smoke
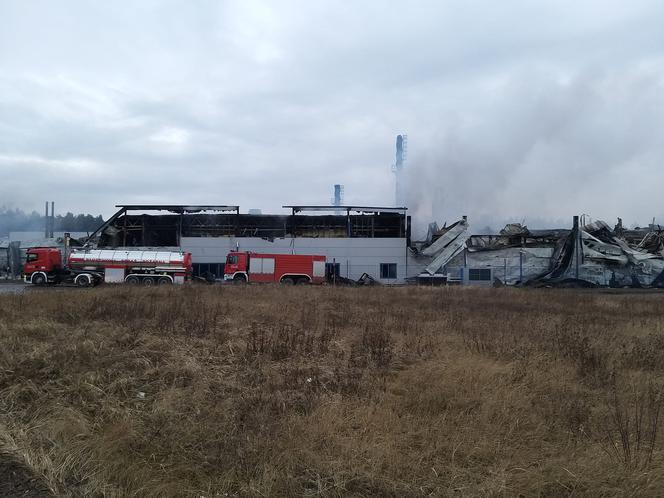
column 538, row 148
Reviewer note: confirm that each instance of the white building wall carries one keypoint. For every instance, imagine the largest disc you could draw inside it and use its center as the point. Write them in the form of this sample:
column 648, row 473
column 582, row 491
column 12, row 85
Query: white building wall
column 417, row 264
column 354, row 255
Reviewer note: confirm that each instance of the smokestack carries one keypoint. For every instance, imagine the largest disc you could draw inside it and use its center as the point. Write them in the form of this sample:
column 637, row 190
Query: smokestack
column 46, row 222
column 397, row 168
column 338, row 194
column 338, row 198
column 49, row 221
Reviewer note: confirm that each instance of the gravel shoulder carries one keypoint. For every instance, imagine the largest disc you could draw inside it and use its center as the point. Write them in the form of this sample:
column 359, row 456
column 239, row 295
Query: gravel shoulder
column 10, row 286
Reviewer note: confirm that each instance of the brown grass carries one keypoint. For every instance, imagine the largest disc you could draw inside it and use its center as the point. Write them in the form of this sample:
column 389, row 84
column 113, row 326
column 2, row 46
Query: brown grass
column 267, row 391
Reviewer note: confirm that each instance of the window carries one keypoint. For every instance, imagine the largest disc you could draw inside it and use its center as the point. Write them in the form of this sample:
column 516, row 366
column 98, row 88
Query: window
column 32, row 257
column 332, row 269
column 388, row 270
column 232, row 260
column 479, row 274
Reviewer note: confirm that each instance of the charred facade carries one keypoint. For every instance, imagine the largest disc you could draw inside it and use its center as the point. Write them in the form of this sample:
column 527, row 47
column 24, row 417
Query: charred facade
column 133, row 230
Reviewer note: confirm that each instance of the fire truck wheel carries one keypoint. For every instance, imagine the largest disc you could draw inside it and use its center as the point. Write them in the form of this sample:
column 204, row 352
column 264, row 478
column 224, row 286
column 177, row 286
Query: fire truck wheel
column 302, row 281
column 164, row 281
column 287, row 281
column 148, row 281
column 239, row 279
column 133, row 280
column 83, row 281
column 38, row 279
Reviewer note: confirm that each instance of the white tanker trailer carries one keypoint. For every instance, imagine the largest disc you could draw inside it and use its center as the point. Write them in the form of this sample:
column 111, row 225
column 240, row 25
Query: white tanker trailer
column 86, row 268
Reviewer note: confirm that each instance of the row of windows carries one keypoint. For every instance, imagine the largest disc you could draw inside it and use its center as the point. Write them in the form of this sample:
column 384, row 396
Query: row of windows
column 387, row 270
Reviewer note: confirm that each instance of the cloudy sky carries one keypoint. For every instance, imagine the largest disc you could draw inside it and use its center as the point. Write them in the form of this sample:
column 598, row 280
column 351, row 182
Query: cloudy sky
column 514, row 110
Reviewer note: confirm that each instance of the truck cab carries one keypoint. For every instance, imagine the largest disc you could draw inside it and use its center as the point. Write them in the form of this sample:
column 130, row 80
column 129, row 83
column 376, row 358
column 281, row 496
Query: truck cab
column 236, row 266
column 42, row 265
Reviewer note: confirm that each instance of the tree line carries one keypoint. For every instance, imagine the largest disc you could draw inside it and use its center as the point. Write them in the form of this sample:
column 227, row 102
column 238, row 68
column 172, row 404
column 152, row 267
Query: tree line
column 16, row 220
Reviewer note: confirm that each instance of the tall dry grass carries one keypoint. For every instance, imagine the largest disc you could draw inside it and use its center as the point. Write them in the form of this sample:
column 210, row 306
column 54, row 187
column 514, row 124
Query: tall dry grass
column 267, row 391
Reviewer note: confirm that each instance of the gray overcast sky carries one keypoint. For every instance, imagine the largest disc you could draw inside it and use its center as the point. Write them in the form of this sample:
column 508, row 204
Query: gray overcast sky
column 532, row 110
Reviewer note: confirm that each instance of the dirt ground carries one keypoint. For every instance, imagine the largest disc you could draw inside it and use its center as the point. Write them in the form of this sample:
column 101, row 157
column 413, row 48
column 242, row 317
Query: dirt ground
column 18, row 481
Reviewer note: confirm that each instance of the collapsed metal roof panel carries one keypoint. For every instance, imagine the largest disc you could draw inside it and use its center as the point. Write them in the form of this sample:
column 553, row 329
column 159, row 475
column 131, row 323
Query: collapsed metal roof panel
column 455, row 247
column 450, row 234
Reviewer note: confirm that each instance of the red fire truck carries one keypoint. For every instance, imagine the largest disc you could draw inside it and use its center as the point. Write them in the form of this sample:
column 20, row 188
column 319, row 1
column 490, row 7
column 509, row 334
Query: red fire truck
column 86, row 268
column 242, row 267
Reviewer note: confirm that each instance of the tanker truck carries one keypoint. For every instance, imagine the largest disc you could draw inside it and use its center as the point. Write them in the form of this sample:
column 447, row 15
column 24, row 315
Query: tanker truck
column 86, row 268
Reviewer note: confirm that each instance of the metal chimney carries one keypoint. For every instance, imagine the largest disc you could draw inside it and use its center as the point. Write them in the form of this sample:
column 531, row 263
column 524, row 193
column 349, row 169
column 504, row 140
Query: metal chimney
column 52, row 219
column 397, row 168
column 46, row 222
column 49, row 221
column 338, row 199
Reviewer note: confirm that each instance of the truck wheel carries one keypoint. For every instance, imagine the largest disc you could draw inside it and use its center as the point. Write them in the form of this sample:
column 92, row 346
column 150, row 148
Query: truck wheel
column 301, row 281
column 38, row 279
column 239, row 279
column 133, row 280
column 148, row 281
column 83, row 281
column 287, row 281
column 164, row 281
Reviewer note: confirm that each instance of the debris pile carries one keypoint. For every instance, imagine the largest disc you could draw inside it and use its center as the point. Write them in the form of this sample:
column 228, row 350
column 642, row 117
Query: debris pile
column 593, row 254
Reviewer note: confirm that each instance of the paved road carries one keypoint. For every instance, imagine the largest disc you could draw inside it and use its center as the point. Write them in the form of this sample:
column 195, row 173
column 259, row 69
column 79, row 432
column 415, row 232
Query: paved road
column 6, row 287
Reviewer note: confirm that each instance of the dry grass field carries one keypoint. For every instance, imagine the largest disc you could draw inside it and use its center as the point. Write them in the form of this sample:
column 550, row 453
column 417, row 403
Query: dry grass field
column 268, row 391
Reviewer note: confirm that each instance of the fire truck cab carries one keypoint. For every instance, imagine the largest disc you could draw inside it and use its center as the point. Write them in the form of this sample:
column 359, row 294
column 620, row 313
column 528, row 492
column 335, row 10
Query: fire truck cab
column 43, row 265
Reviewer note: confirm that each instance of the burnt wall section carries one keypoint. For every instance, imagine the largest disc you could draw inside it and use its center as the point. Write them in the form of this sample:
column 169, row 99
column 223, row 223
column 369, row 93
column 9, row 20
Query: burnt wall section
column 133, row 230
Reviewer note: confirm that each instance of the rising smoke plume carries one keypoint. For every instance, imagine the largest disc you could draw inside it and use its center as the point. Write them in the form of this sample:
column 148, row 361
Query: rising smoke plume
column 535, row 145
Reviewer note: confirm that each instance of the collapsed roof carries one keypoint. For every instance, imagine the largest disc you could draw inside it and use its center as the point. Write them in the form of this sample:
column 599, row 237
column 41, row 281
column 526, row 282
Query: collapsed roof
column 593, row 254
